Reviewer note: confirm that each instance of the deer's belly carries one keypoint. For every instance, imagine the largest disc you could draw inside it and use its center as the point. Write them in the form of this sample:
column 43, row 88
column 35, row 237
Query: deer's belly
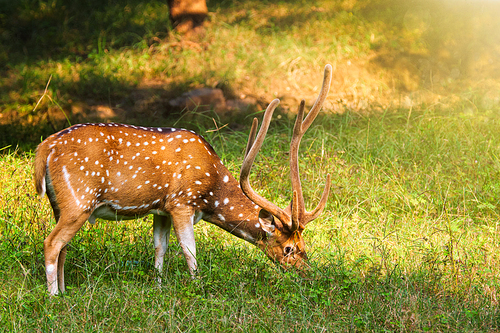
column 107, row 212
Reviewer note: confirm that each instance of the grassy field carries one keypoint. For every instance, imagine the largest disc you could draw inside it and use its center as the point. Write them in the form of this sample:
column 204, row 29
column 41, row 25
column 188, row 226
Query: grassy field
column 409, row 240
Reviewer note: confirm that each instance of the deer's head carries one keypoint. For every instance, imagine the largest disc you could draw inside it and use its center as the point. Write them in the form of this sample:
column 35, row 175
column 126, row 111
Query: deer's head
column 284, row 227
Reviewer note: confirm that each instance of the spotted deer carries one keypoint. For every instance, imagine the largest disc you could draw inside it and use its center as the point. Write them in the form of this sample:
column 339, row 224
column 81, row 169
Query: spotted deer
column 119, row 172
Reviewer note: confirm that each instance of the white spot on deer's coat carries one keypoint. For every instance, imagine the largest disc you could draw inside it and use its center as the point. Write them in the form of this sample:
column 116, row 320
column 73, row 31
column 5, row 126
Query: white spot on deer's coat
column 216, row 203
column 197, row 182
column 257, row 225
column 221, row 217
column 226, row 201
column 178, row 150
column 226, row 179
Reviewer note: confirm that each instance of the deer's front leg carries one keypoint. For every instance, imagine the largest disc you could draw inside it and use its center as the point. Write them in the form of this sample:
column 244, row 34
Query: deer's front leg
column 161, row 235
column 183, row 219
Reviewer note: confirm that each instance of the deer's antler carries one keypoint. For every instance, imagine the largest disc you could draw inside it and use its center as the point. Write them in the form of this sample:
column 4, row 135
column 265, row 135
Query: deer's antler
column 295, row 215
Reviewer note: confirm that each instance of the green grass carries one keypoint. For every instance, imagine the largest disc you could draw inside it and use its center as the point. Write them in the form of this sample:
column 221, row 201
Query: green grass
column 408, row 242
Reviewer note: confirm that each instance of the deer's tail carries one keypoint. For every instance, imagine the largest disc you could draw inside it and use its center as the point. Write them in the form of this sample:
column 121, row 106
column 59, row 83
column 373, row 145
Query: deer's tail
column 41, row 158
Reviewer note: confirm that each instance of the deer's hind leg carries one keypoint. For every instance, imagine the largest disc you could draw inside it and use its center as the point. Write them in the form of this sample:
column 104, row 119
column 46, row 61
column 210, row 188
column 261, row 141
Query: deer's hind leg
column 62, row 254
column 55, row 248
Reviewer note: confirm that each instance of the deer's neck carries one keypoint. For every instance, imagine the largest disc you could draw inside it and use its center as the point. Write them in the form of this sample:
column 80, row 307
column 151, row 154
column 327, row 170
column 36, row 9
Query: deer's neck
column 231, row 210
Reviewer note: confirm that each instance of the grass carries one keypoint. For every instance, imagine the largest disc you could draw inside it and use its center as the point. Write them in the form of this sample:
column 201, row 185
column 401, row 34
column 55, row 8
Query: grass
column 408, row 242
column 409, row 238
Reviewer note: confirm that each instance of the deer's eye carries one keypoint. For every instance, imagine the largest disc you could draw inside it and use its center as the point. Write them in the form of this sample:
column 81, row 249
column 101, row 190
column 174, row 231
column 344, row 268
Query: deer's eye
column 287, row 250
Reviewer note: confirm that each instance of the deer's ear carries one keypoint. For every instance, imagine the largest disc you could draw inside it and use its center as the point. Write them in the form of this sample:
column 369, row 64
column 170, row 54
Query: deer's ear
column 266, row 220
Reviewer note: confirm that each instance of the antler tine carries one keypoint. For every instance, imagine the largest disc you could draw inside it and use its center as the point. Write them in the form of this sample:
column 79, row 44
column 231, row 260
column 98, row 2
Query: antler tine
column 301, row 126
column 253, row 148
column 297, row 204
column 251, row 136
column 321, row 205
column 327, row 80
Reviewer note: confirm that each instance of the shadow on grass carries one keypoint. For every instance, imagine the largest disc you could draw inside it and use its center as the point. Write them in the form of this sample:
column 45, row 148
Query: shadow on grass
column 104, row 98
column 34, row 30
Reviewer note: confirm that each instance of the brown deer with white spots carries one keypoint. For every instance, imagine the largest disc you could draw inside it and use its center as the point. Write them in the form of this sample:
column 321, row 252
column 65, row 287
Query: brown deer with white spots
column 119, row 172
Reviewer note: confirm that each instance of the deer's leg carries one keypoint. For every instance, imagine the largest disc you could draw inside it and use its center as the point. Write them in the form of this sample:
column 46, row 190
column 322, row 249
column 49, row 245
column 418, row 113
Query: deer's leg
column 183, row 219
column 60, row 268
column 161, row 235
column 64, row 231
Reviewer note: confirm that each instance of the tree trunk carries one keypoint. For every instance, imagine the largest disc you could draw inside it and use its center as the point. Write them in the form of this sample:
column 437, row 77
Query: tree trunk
column 187, row 15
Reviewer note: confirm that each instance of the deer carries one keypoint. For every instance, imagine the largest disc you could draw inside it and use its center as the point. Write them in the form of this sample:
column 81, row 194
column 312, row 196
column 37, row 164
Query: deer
column 120, row 172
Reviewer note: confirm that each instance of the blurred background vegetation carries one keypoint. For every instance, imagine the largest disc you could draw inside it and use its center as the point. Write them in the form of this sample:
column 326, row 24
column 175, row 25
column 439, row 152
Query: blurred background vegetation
column 120, row 60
